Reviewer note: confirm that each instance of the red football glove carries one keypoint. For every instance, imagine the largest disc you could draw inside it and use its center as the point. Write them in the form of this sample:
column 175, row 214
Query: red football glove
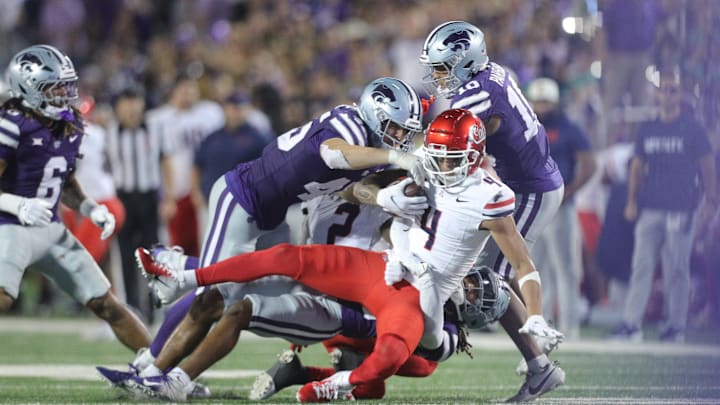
column 427, row 103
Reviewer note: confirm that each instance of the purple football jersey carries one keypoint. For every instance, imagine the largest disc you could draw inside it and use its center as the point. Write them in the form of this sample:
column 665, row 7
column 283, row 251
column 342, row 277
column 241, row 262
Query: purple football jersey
column 38, row 160
column 291, row 169
column 520, row 145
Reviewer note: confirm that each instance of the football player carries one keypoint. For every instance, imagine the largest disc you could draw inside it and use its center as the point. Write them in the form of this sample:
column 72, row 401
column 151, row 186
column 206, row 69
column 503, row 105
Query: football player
column 440, row 247
column 321, row 157
column 459, row 69
column 40, row 135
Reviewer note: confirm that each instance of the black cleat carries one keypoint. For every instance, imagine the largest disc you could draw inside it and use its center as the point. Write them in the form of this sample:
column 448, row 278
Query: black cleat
column 286, row 371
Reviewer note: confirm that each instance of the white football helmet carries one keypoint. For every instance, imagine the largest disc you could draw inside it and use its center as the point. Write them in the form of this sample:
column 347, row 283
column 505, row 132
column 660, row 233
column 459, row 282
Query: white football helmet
column 453, row 52
column 45, row 79
column 388, row 103
column 487, row 297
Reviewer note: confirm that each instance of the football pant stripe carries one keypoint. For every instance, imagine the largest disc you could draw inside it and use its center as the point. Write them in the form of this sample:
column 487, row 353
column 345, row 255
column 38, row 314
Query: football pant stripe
column 219, row 221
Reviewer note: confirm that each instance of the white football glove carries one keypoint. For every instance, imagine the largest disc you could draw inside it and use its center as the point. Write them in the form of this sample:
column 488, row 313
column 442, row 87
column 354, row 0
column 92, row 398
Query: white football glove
column 34, row 212
column 394, row 200
column 394, row 270
column 537, row 326
column 100, row 216
column 411, row 163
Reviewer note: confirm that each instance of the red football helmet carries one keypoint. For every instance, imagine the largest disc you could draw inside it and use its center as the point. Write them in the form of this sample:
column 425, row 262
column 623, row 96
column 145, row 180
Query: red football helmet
column 454, row 147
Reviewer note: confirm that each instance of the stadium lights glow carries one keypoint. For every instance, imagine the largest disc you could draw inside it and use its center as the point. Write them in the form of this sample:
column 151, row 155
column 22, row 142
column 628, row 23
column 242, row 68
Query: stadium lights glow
column 568, row 25
column 652, row 75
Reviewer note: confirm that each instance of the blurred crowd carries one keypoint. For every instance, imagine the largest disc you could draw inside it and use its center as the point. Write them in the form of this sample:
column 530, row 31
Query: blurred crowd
column 290, row 60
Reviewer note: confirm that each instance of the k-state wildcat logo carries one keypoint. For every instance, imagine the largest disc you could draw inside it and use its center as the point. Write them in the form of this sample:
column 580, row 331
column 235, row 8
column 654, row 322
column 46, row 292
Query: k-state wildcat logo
column 459, row 40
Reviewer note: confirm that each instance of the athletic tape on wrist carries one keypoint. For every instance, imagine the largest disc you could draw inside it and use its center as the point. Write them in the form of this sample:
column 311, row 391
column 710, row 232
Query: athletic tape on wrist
column 530, row 276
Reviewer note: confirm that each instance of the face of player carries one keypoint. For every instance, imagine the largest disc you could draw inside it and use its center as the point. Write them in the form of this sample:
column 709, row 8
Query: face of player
column 61, row 93
column 446, row 164
column 440, row 74
column 396, row 135
column 472, row 291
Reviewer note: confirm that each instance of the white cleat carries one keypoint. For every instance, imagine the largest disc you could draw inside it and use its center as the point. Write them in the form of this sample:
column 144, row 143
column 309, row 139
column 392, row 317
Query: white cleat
column 167, row 282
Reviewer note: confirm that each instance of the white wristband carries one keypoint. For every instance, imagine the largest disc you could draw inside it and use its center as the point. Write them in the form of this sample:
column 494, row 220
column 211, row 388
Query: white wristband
column 87, row 206
column 392, row 156
column 10, row 203
column 530, row 276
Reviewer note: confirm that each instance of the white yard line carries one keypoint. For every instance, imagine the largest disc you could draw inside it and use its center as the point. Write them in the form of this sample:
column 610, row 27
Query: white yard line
column 84, row 372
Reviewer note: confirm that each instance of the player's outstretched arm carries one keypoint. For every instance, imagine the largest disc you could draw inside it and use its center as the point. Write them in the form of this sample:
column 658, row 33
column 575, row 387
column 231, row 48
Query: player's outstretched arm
column 339, row 154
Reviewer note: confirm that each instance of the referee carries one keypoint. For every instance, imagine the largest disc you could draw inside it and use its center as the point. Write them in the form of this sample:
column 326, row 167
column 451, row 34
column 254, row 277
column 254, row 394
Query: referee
column 135, row 156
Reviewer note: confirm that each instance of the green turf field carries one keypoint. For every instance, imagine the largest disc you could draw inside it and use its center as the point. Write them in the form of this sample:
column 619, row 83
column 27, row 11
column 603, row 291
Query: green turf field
column 597, row 372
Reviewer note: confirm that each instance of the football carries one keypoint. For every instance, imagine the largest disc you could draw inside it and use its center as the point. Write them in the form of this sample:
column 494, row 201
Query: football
column 413, row 190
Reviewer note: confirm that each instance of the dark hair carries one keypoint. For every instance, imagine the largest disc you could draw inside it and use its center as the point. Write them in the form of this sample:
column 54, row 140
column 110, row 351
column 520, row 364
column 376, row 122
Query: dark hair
column 68, row 126
column 134, row 91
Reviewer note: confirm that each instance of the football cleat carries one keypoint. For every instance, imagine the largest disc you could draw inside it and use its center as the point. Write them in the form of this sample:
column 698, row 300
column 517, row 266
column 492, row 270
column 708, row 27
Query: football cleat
column 550, row 377
column 117, row 378
column 169, row 256
column 167, row 282
column 626, row 333
column 286, row 371
column 198, row 391
column 330, row 389
column 547, row 345
column 672, row 335
column 166, row 386
column 344, row 358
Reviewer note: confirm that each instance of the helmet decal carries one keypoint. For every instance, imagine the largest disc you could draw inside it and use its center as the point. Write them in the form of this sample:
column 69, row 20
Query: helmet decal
column 458, row 41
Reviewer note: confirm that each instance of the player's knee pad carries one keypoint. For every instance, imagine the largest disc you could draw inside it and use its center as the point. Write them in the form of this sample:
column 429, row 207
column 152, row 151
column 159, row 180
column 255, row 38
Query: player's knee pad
column 208, row 306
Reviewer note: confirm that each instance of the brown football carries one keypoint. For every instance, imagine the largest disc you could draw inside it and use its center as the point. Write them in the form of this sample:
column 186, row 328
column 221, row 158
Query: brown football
column 413, row 190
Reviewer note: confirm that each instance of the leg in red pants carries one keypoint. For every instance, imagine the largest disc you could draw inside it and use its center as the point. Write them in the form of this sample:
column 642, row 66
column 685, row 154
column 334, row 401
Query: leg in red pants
column 346, row 273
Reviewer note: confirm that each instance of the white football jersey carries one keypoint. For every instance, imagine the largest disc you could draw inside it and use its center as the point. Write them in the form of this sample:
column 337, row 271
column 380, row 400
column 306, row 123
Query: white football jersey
column 181, row 132
column 92, row 170
column 334, row 221
column 448, row 235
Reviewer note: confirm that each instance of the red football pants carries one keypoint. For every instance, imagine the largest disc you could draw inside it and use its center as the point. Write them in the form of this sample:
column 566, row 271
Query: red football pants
column 343, row 272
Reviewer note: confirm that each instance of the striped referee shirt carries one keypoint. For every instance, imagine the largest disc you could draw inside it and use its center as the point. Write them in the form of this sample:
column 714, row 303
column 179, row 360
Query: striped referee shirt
column 134, row 156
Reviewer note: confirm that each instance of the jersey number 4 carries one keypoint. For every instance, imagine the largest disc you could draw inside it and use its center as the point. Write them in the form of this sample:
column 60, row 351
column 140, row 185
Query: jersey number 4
column 429, row 224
